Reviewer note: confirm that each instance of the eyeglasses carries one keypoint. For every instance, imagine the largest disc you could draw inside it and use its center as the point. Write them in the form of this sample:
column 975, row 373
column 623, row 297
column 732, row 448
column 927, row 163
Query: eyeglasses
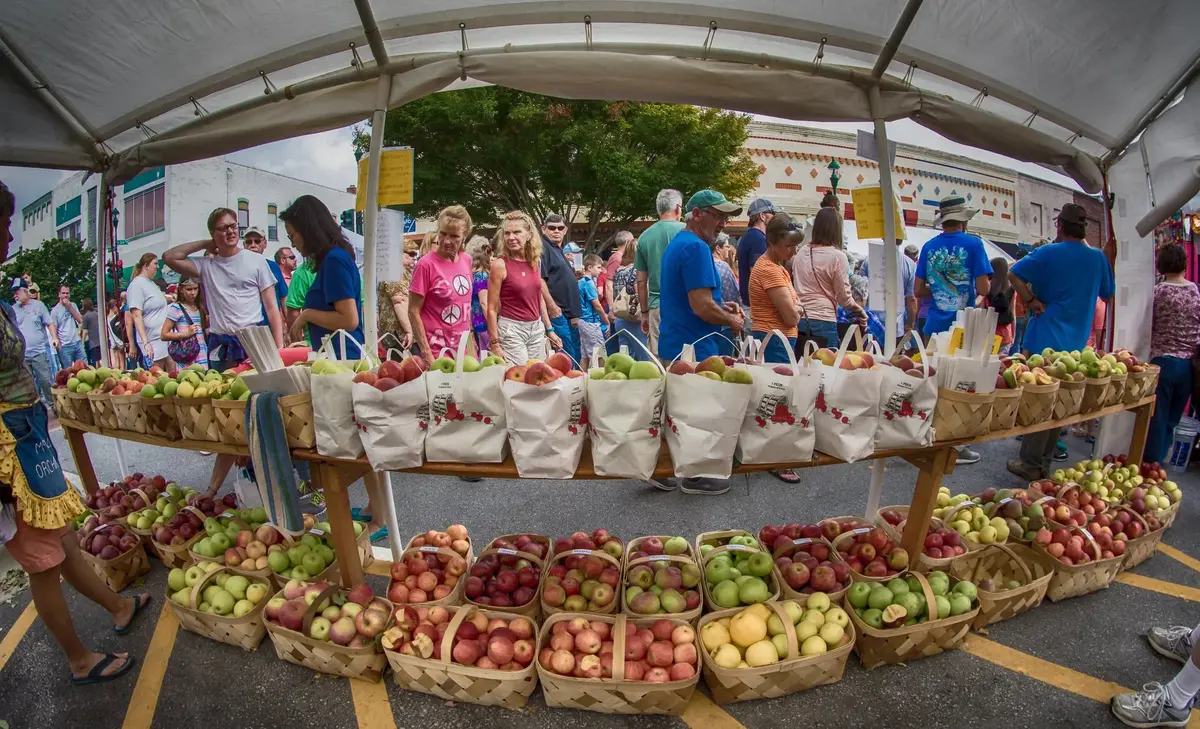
column 716, row 213
column 556, row 227
column 225, row 228
column 289, row 258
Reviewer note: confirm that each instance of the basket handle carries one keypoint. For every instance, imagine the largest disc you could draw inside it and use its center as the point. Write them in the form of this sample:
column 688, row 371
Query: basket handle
column 144, row 495
column 460, row 616
column 619, row 628
column 427, row 549
column 311, row 611
column 705, row 537
column 930, row 601
column 198, row 588
column 508, row 552
column 1024, row 567
column 727, row 548
column 680, row 558
column 788, row 629
column 584, row 552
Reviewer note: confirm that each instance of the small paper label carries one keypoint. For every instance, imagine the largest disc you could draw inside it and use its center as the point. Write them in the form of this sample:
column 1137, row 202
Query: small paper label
column 659, row 557
column 427, row 548
column 860, row 530
column 802, row 540
column 739, row 548
column 1002, row 502
column 506, row 550
column 316, row 532
column 579, row 551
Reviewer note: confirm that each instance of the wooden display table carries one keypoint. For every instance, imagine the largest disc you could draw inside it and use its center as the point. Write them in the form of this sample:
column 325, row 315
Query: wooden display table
column 333, row 476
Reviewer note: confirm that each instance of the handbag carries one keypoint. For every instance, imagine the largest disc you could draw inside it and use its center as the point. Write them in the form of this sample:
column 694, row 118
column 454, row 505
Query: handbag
column 184, row 351
column 625, row 304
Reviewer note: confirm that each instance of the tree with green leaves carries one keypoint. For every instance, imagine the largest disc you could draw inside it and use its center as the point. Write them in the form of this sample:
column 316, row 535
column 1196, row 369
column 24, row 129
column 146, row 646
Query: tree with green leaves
column 55, row 263
column 494, row 149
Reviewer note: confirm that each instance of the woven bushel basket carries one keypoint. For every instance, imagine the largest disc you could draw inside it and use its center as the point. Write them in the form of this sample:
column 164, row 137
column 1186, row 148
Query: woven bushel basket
column 298, row 419
column 791, row 675
column 677, row 560
column 197, row 419
column 1140, row 384
column 1143, row 548
column 785, row 590
column 367, row 663
column 1069, row 399
column 104, row 412
column 81, row 407
column 858, row 576
column 121, row 571
column 61, row 404
column 176, row 556
column 1167, row 515
column 1076, row 580
column 721, row 540
column 1037, row 403
column 962, row 414
column 245, row 632
column 876, row 647
column 160, row 417
column 922, row 562
column 1001, row 563
column 130, row 415
column 456, row 594
column 1116, row 389
column 1095, row 394
column 613, row 607
column 615, row 695
column 1004, row 409
column 454, row 681
column 531, row 609
column 231, row 421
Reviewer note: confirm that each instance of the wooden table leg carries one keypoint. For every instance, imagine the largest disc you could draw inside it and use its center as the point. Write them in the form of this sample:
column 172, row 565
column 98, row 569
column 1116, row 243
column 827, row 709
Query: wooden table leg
column 83, row 460
column 1141, row 427
column 924, row 498
column 333, row 481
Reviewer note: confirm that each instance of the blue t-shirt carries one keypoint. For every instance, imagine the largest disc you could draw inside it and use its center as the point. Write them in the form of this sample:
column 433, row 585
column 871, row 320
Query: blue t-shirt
column 950, row 263
column 687, row 264
column 281, row 291
column 752, row 245
column 337, row 279
column 1070, row 300
column 588, row 294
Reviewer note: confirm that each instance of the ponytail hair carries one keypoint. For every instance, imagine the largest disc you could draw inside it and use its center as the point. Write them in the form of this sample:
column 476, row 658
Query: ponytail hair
column 145, row 260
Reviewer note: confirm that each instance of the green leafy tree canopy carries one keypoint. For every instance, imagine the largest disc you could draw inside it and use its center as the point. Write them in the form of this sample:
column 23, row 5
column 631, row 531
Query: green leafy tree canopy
column 494, row 149
column 55, row 263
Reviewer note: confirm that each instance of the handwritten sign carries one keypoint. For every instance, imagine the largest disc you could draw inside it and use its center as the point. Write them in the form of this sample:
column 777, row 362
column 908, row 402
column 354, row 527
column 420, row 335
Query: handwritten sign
column 395, row 178
column 868, row 213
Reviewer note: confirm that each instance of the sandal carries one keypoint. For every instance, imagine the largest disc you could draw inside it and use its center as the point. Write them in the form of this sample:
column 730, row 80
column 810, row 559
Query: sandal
column 787, row 475
column 356, row 513
column 379, row 535
column 138, row 604
column 97, row 675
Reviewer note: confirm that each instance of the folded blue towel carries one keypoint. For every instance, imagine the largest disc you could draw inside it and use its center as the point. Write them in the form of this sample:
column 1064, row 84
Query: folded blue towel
column 274, row 474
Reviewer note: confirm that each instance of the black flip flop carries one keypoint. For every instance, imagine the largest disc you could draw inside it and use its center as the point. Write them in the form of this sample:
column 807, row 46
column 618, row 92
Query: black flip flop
column 96, row 675
column 779, row 475
column 137, row 608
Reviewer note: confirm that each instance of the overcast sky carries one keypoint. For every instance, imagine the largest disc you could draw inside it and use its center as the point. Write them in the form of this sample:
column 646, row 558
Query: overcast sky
column 328, row 158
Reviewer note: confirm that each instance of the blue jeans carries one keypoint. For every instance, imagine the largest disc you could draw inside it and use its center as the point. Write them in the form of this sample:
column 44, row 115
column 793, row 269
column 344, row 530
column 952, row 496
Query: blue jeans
column 825, row 332
column 629, row 330
column 1174, row 389
column 568, row 334
column 775, row 352
column 69, row 353
column 39, row 366
column 725, row 339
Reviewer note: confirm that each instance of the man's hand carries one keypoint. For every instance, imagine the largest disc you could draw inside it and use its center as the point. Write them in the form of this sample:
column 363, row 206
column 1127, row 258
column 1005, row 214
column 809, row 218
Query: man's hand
column 406, row 340
column 296, row 331
column 1037, row 307
column 555, row 340
column 554, row 311
column 645, row 323
column 574, row 323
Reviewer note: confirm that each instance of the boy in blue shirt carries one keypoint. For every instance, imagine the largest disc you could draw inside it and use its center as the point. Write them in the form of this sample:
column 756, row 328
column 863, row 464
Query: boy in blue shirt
column 593, row 322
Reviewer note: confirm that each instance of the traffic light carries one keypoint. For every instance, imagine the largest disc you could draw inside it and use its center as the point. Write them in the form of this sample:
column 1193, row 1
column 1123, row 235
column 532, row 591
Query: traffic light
column 358, row 223
column 348, row 219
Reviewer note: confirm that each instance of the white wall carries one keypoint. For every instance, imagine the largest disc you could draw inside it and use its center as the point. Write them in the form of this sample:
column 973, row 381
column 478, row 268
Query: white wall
column 1039, row 203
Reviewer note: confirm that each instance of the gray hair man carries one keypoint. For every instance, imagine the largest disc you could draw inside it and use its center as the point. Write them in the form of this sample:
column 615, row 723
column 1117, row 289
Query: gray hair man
column 562, row 290
column 650, row 246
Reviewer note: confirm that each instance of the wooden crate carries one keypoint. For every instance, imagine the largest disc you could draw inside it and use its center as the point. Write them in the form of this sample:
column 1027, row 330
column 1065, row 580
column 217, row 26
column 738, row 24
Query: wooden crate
column 1001, row 563
column 614, row 695
column 791, row 675
column 876, row 647
column 1037, row 403
column 367, row 663
column 962, row 414
column 720, row 540
column 245, row 632
column 455, row 682
column 198, row 419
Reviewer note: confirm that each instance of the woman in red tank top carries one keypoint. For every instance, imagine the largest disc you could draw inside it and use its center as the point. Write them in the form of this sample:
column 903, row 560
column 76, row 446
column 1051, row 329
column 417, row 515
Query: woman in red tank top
column 518, row 324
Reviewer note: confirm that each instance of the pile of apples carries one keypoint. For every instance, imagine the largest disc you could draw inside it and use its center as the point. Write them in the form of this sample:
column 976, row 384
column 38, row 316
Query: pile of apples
column 974, row 525
column 497, row 643
column 598, row 539
column 757, row 635
column 105, row 541
column 717, row 368
column 167, row 503
column 507, row 580
column 232, row 595
column 901, row 602
column 539, row 373
column 392, row 374
column 1063, row 514
column 455, row 538
column 1018, row 510
column 179, row 529
column 1067, row 545
column 663, row 652
column 871, row 553
column 661, row 586
column 621, row 366
column 945, row 501
column 470, row 364
column 424, row 576
column 778, row 536
column 63, row 377
column 117, row 500
column 581, row 583
column 1113, row 531
column 805, row 566
column 740, row 576
column 352, row 618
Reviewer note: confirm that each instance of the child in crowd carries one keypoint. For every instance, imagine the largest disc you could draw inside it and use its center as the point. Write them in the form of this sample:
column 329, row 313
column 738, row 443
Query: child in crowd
column 593, row 323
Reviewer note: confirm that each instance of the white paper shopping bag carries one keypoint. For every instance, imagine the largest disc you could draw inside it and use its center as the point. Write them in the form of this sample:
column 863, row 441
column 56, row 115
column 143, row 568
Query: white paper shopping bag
column 625, row 421
column 336, row 430
column 547, row 424
column 466, row 413
column 778, row 426
column 847, row 409
column 906, row 403
column 702, row 422
column 392, row 424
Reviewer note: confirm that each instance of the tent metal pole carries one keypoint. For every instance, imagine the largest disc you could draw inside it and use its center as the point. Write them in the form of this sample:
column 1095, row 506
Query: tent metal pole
column 888, row 52
column 104, row 232
column 366, row 16
column 891, row 268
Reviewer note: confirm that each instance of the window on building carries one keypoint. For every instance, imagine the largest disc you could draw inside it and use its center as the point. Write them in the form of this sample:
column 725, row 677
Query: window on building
column 72, row 231
column 243, row 216
column 272, row 222
column 145, row 212
column 1036, row 219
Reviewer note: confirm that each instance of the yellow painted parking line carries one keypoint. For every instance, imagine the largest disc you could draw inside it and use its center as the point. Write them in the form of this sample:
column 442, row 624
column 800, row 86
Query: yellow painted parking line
column 8, row 646
column 371, row 705
column 140, row 713
column 702, row 713
column 1179, row 556
column 1167, row 588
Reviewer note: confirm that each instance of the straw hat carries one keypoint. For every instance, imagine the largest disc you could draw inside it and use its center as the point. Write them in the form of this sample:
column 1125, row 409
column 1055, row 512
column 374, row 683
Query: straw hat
column 953, row 207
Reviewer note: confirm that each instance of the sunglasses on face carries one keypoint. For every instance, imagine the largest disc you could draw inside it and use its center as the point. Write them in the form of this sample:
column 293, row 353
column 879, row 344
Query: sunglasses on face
column 225, row 228
column 556, row 227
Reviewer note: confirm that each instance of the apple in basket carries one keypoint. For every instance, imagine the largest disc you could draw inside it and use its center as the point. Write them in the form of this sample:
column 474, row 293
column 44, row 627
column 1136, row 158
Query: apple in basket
column 665, row 651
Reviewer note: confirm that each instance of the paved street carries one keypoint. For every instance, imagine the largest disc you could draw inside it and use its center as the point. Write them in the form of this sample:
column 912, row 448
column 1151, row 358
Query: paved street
column 1053, row 667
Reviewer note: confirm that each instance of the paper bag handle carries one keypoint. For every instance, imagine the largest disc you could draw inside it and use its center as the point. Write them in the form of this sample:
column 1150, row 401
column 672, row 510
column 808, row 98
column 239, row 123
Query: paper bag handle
column 853, row 332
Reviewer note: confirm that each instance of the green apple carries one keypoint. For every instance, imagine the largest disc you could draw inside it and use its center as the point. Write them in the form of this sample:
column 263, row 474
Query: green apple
column 874, row 618
column 182, row 597
column 299, row 573
column 959, row 603
column 858, row 593
column 898, row 587
column 470, row 364
column 221, row 542
column 760, row 564
column 718, row 570
column 939, row 583
column 242, row 608
column 675, row 545
column 597, row 373
column 177, row 579
column 310, row 540
column 222, row 603
column 442, row 364
column 236, row 586
column 313, row 564
column 753, row 590
column 644, row 371
column 726, row 594
column 193, row 575
column 327, row 555
column 966, row 588
column 943, row 606
column 616, row 376
column 278, row 562
column 880, row 597
column 490, row 361
column 211, row 591
column 738, row 376
column 910, row 603
column 619, row 362
column 255, row 592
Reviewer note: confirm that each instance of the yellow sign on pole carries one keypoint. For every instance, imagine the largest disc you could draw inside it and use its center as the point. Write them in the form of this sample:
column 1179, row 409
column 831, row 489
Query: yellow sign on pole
column 868, row 213
column 395, row 178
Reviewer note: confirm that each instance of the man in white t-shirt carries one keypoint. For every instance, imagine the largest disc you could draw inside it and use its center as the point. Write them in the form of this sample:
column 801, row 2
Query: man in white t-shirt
column 238, row 286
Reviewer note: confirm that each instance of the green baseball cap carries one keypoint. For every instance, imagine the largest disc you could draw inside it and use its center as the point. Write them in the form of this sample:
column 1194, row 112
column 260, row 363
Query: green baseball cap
column 712, row 199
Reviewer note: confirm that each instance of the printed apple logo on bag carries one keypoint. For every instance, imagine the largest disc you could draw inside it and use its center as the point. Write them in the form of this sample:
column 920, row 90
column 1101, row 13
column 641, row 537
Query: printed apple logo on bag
column 821, row 398
column 671, row 425
column 899, row 405
column 774, row 408
column 655, row 421
column 423, row 416
column 578, row 417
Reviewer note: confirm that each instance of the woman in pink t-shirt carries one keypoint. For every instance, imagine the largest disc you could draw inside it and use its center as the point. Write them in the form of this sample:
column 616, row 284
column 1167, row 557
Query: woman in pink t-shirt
column 518, row 324
column 439, row 296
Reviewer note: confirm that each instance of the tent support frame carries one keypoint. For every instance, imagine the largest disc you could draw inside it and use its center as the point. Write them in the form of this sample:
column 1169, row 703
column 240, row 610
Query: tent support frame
column 888, row 52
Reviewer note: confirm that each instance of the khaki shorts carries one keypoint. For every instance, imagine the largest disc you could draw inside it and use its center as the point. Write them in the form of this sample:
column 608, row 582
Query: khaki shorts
column 655, row 321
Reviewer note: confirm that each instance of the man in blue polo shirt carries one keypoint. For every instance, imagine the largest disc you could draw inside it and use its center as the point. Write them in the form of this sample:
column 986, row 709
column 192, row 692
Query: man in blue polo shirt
column 1062, row 307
